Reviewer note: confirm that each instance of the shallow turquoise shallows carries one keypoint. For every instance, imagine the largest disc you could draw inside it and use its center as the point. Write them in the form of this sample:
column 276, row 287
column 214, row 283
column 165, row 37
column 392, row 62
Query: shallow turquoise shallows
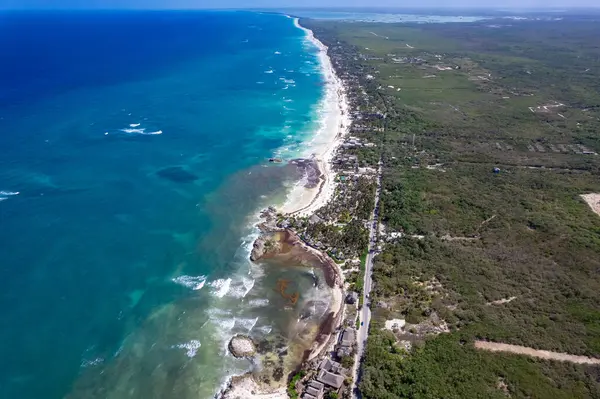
column 133, row 156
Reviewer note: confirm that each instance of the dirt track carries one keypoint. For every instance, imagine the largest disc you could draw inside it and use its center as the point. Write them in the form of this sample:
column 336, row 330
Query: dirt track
column 523, row 350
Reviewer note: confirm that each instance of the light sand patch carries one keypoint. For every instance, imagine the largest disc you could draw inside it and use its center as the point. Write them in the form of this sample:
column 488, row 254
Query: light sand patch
column 502, row 301
column 541, row 354
column 593, row 200
column 395, row 324
column 247, row 388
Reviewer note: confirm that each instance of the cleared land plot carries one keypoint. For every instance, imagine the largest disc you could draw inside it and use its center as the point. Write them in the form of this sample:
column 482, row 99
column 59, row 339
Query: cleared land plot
column 523, row 350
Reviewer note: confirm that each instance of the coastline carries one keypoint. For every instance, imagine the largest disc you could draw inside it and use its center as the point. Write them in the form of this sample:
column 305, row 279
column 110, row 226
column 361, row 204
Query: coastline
column 303, row 201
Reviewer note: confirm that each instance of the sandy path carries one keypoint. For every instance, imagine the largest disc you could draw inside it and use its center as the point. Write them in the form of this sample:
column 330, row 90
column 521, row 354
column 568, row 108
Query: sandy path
column 542, row 354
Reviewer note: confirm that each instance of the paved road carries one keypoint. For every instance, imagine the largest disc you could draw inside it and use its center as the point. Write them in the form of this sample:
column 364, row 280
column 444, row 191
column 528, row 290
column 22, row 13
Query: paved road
column 365, row 312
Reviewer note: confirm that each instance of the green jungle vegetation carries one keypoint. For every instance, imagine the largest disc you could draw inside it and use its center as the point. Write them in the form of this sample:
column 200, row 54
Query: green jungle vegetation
column 490, row 135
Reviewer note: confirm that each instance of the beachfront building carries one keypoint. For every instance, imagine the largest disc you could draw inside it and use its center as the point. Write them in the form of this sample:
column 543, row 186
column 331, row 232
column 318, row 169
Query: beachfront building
column 331, row 380
column 314, row 390
column 346, row 343
column 348, row 337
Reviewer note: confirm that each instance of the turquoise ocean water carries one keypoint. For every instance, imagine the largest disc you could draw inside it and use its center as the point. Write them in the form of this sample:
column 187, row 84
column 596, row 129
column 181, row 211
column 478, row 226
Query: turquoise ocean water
column 133, row 160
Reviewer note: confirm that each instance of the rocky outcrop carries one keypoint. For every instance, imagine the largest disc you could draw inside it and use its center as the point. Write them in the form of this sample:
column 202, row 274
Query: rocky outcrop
column 269, row 223
column 267, row 241
column 258, row 249
column 267, row 245
column 309, row 168
column 242, row 346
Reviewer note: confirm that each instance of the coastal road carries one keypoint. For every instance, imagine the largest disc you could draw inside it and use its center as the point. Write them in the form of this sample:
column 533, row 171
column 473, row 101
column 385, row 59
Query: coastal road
column 364, row 315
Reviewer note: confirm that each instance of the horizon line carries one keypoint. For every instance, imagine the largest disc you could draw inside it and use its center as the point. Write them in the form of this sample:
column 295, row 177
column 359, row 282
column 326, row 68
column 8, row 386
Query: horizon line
column 337, row 8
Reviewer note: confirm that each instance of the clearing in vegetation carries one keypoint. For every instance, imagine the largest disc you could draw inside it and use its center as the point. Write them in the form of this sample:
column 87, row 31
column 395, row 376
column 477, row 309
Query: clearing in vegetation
column 523, row 350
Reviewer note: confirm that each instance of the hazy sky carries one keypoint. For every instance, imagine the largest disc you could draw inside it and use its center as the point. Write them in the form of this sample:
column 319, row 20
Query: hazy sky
column 155, row 4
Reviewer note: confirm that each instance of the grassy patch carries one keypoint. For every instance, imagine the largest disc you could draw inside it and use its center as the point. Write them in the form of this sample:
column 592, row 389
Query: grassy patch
column 291, row 389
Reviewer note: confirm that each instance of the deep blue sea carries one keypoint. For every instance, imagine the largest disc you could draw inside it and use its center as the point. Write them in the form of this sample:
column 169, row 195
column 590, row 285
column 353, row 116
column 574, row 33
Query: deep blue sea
column 133, row 158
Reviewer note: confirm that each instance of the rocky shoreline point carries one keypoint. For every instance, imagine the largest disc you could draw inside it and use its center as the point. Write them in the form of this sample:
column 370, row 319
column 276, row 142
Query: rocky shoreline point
column 266, row 242
column 268, row 380
column 309, row 168
column 242, row 346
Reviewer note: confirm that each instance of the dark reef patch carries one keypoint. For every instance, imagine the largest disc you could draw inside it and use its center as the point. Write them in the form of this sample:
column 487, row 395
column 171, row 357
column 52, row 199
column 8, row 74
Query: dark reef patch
column 177, row 174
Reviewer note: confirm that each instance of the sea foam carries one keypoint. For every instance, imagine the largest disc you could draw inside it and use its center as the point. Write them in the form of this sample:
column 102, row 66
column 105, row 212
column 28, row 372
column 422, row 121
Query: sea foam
column 240, row 289
column 140, row 131
column 246, row 324
column 257, row 303
column 193, row 282
column 221, row 287
column 191, row 347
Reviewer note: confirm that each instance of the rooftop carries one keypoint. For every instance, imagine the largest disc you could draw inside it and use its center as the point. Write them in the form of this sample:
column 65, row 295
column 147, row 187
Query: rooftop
column 312, row 391
column 348, row 337
column 330, row 379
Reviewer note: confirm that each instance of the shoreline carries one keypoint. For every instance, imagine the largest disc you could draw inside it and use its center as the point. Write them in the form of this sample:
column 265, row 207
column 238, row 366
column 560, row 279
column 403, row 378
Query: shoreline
column 286, row 244
column 303, row 201
column 306, row 201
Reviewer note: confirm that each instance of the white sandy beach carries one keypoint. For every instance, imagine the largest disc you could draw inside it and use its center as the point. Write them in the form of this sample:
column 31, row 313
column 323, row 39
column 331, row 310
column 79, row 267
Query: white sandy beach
column 305, row 201
column 247, row 388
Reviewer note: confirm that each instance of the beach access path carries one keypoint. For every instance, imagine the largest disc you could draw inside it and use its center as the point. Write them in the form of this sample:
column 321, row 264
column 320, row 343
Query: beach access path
column 364, row 316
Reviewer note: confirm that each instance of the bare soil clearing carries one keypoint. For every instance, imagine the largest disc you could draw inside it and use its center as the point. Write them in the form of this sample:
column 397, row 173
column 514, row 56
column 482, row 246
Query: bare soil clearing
column 502, row 301
column 542, row 354
column 593, row 200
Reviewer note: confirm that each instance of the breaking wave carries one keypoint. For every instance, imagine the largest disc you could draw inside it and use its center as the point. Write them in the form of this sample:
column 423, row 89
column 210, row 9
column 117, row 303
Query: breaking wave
column 221, row 287
column 193, row 282
column 191, row 347
column 140, row 131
